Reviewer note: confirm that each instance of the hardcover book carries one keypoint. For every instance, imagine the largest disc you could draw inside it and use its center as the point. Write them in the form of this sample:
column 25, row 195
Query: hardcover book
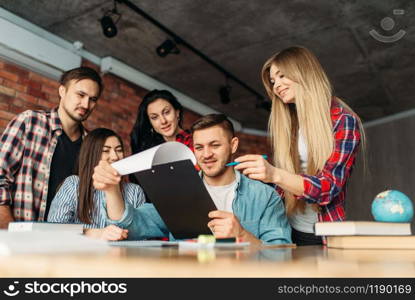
column 371, row 242
column 361, row 228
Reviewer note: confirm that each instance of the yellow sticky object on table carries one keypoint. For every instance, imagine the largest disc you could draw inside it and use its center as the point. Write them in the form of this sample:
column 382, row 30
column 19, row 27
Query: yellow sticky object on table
column 206, row 239
column 206, row 255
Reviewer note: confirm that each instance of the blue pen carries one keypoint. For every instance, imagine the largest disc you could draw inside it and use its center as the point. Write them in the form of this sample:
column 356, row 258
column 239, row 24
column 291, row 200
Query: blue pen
column 237, row 162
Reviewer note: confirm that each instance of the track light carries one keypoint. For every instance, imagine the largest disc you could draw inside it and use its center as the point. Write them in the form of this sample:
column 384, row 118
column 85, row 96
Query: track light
column 167, row 47
column 108, row 24
column 224, row 93
column 108, row 27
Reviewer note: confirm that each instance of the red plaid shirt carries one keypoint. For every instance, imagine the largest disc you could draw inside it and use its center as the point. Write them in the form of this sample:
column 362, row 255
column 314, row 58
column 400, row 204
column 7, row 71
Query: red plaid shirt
column 328, row 187
column 185, row 137
column 27, row 147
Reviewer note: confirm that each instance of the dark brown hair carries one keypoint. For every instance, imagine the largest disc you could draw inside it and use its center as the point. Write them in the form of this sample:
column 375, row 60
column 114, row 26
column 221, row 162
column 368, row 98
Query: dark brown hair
column 81, row 73
column 143, row 136
column 213, row 120
column 89, row 156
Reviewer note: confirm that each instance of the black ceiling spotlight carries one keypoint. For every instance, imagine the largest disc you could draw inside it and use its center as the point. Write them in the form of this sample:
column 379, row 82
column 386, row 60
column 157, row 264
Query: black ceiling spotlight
column 167, row 47
column 108, row 24
column 224, row 93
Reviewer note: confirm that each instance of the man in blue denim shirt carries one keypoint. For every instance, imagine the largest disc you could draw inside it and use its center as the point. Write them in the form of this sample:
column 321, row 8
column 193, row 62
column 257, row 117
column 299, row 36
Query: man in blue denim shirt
column 247, row 209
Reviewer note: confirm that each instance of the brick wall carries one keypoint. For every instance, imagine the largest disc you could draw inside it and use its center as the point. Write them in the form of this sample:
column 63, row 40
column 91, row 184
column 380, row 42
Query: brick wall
column 252, row 144
column 21, row 89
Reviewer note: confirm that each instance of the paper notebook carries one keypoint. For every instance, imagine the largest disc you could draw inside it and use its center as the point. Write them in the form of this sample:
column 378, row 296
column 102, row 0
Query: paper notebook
column 165, row 153
column 48, row 242
column 45, row 226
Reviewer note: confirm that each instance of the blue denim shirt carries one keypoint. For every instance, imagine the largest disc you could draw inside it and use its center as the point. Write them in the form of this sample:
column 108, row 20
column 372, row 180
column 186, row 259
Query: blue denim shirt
column 257, row 206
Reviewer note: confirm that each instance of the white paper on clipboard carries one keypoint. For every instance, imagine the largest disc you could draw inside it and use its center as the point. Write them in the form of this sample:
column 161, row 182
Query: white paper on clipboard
column 161, row 154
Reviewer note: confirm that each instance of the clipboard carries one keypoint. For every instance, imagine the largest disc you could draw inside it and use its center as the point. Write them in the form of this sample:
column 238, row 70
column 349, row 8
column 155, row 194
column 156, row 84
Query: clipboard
column 179, row 196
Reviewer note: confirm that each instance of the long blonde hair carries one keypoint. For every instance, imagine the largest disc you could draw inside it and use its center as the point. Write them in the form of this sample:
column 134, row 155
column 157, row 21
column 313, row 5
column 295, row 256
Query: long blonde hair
column 311, row 113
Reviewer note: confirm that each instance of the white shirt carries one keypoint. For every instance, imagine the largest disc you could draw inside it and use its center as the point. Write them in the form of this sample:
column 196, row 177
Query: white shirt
column 302, row 151
column 222, row 195
column 303, row 222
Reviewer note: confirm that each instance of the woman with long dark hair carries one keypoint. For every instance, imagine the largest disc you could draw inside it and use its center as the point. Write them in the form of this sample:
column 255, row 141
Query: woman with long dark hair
column 159, row 120
column 78, row 202
column 315, row 137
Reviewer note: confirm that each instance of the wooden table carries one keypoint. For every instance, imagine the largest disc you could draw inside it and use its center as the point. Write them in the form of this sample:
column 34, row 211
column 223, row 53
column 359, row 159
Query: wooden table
column 310, row 261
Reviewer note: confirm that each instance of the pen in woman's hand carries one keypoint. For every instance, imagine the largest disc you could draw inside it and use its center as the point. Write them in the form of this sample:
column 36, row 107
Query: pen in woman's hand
column 234, row 163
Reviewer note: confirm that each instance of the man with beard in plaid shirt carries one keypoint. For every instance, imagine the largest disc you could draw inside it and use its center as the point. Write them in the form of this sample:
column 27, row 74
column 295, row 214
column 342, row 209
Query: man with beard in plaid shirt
column 38, row 149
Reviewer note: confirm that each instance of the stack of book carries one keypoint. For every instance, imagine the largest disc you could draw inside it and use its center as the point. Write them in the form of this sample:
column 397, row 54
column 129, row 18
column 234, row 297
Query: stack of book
column 366, row 235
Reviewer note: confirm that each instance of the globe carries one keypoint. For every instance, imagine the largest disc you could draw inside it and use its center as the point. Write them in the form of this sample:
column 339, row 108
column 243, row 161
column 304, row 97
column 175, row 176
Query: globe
column 392, row 206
